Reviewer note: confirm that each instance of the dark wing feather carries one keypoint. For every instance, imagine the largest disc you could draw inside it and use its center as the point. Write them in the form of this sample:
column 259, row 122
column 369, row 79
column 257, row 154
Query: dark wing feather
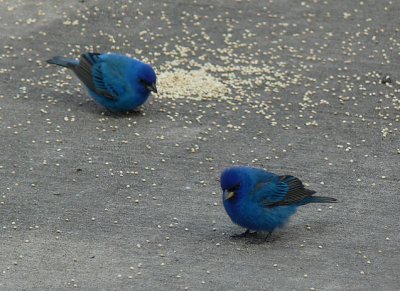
column 90, row 73
column 296, row 192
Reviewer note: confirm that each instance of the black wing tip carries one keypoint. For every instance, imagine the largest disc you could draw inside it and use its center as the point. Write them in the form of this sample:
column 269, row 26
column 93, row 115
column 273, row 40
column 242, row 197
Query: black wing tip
column 294, row 183
column 321, row 199
column 310, row 192
column 90, row 57
column 290, row 179
column 90, row 54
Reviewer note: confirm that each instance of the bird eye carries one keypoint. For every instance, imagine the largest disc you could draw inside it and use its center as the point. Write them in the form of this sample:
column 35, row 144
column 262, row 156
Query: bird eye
column 144, row 82
column 234, row 188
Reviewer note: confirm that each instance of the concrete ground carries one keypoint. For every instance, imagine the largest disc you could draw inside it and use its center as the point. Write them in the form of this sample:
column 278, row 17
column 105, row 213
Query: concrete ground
column 94, row 201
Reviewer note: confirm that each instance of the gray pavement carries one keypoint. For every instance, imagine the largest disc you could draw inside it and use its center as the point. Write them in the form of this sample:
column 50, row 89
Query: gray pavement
column 94, row 201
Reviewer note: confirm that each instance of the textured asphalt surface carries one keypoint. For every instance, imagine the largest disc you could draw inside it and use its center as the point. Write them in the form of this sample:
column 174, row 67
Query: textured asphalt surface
column 94, row 201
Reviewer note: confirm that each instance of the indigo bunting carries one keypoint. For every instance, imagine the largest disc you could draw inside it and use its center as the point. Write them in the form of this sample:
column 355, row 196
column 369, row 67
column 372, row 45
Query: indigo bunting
column 115, row 81
column 262, row 201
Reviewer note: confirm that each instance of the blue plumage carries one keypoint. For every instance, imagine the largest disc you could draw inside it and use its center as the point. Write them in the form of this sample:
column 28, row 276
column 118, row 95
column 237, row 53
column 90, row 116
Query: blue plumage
column 117, row 82
column 262, row 201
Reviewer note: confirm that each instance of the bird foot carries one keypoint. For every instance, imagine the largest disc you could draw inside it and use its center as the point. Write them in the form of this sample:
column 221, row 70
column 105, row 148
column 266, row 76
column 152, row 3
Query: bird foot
column 260, row 240
column 269, row 238
column 247, row 233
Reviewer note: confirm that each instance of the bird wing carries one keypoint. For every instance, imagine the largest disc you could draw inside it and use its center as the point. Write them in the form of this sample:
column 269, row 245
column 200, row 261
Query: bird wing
column 288, row 190
column 102, row 76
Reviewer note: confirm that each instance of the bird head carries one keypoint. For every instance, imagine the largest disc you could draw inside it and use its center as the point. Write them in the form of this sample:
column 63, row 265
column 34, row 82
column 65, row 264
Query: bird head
column 232, row 182
column 147, row 77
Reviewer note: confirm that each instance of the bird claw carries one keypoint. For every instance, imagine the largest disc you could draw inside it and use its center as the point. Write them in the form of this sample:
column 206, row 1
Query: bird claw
column 268, row 238
column 260, row 240
column 247, row 233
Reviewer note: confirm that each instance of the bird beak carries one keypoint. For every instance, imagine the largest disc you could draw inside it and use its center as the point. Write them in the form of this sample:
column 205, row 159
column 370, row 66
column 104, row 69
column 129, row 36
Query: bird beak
column 228, row 195
column 152, row 87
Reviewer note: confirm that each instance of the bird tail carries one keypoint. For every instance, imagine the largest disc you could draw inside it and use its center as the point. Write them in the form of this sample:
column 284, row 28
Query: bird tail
column 317, row 199
column 63, row 62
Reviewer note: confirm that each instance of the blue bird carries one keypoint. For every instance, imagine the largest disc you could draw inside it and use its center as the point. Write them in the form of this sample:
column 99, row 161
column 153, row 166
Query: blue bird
column 262, row 201
column 115, row 81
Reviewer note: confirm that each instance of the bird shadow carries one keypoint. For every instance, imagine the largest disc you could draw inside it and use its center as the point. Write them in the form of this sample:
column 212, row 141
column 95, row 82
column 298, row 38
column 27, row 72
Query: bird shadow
column 256, row 238
column 252, row 237
column 91, row 107
column 289, row 233
column 115, row 114
column 140, row 112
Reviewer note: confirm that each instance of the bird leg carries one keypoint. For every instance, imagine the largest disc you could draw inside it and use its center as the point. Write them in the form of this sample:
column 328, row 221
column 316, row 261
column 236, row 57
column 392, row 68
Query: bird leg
column 268, row 237
column 247, row 233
